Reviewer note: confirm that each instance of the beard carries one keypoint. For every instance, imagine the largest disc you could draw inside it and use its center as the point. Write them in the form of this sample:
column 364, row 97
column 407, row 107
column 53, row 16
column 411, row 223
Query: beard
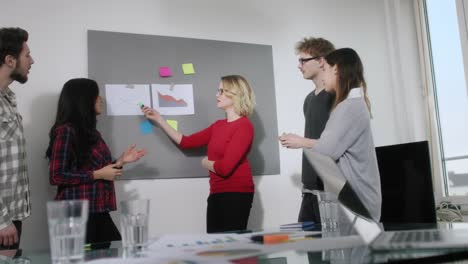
column 17, row 76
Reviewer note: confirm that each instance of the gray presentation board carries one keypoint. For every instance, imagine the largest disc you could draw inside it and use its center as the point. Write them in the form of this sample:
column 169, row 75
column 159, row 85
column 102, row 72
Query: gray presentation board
column 122, row 58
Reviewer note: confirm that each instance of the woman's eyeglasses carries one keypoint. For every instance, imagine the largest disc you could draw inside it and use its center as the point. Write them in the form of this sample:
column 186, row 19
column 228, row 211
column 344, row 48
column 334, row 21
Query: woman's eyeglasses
column 304, row 60
column 220, row 91
column 228, row 93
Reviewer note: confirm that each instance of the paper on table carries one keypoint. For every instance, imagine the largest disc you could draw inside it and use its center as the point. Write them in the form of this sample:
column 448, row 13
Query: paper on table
column 152, row 260
column 215, row 248
column 196, row 240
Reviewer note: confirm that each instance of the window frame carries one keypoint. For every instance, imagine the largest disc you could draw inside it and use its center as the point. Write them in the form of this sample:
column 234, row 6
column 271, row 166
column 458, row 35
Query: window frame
column 428, row 78
column 462, row 11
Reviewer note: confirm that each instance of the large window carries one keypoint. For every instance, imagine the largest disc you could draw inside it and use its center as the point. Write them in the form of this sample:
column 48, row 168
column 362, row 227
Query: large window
column 446, row 42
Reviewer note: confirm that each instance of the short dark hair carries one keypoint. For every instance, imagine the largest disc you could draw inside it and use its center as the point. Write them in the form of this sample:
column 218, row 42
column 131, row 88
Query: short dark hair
column 11, row 42
column 315, row 46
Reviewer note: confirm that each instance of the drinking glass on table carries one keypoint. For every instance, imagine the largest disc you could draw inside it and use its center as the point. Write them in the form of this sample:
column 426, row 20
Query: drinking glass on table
column 329, row 210
column 67, row 228
column 134, row 224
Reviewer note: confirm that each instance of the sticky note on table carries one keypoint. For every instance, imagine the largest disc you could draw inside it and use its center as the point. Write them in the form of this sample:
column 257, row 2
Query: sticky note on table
column 172, row 123
column 146, row 127
column 188, row 68
column 165, row 71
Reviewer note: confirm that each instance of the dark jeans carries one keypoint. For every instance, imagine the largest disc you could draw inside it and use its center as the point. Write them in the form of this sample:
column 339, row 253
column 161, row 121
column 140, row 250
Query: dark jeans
column 309, row 208
column 101, row 228
column 228, row 211
column 18, row 225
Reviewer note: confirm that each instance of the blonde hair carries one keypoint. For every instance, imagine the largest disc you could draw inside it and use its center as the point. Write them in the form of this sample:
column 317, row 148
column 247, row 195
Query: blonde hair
column 238, row 89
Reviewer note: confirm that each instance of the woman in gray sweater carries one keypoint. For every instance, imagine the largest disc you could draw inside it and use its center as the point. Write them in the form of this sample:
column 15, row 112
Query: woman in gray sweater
column 347, row 137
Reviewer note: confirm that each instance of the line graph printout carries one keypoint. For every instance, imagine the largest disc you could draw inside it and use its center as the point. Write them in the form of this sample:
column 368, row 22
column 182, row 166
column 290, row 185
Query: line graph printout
column 124, row 99
column 173, row 99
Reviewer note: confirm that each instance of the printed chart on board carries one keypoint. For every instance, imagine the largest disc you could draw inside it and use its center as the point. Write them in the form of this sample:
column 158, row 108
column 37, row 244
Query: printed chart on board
column 175, row 99
column 124, row 99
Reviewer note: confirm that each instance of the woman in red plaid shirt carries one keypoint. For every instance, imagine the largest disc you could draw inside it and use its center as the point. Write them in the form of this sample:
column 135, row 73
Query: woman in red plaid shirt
column 80, row 164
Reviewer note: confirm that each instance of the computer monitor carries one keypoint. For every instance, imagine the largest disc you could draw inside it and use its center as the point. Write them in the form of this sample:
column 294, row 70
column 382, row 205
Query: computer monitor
column 406, row 182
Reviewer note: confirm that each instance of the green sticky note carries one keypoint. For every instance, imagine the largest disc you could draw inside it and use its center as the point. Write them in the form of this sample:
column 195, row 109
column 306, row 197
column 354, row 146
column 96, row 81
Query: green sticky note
column 172, row 123
column 188, row 68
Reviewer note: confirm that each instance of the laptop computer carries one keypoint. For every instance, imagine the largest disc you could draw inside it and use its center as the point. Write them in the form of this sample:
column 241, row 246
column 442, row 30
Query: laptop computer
column 369, row 230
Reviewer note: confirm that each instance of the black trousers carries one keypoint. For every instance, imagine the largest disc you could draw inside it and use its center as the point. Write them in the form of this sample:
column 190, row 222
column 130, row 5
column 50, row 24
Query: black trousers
column 309, row 208
column 18, row 225
column 228, row 211
column 100, row 228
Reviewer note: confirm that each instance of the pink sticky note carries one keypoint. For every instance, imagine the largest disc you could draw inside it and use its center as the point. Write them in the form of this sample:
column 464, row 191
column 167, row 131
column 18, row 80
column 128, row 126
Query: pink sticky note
column 165, row 71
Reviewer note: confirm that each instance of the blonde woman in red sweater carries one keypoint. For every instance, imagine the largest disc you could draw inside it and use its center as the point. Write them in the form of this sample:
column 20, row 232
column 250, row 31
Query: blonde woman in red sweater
column 228, row 143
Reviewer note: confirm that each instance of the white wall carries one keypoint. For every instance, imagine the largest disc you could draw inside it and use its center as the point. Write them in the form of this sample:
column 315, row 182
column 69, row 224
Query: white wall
column 59, row 46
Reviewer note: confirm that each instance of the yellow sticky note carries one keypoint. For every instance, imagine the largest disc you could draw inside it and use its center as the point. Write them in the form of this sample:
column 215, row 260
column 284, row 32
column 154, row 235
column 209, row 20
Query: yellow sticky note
column 172, row 123
column 188, row 68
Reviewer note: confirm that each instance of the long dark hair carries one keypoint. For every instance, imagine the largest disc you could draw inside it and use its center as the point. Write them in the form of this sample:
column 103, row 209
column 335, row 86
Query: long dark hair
column 76, row 106
column 350, row 73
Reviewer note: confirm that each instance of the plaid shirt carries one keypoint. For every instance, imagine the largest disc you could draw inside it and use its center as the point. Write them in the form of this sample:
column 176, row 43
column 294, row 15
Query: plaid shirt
column 14, row 182
column 78, row 183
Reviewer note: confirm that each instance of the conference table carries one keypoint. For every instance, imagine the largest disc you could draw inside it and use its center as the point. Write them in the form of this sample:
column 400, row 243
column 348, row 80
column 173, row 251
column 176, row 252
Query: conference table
column 352, row 254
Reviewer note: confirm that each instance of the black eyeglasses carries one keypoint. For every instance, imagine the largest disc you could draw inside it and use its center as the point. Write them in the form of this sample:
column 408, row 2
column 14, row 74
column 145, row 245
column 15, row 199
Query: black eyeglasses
column 304, row 60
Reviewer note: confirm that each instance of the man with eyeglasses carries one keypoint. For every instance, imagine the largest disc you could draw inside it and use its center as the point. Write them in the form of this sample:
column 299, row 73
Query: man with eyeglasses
column 317, row 107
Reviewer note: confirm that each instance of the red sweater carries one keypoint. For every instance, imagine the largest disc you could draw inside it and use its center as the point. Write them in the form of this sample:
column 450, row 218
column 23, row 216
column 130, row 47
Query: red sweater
column 229, row 144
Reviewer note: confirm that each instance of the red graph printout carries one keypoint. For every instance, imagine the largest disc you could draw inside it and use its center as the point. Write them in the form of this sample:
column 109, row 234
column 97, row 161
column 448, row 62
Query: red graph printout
column 173, row 99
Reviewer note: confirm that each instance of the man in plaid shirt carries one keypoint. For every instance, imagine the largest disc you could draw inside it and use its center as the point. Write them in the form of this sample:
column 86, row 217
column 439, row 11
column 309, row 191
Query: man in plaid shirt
column 15, row 63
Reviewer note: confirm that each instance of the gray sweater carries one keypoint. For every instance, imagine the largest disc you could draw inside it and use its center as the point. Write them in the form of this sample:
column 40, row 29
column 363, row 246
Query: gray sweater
column 347, row 139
